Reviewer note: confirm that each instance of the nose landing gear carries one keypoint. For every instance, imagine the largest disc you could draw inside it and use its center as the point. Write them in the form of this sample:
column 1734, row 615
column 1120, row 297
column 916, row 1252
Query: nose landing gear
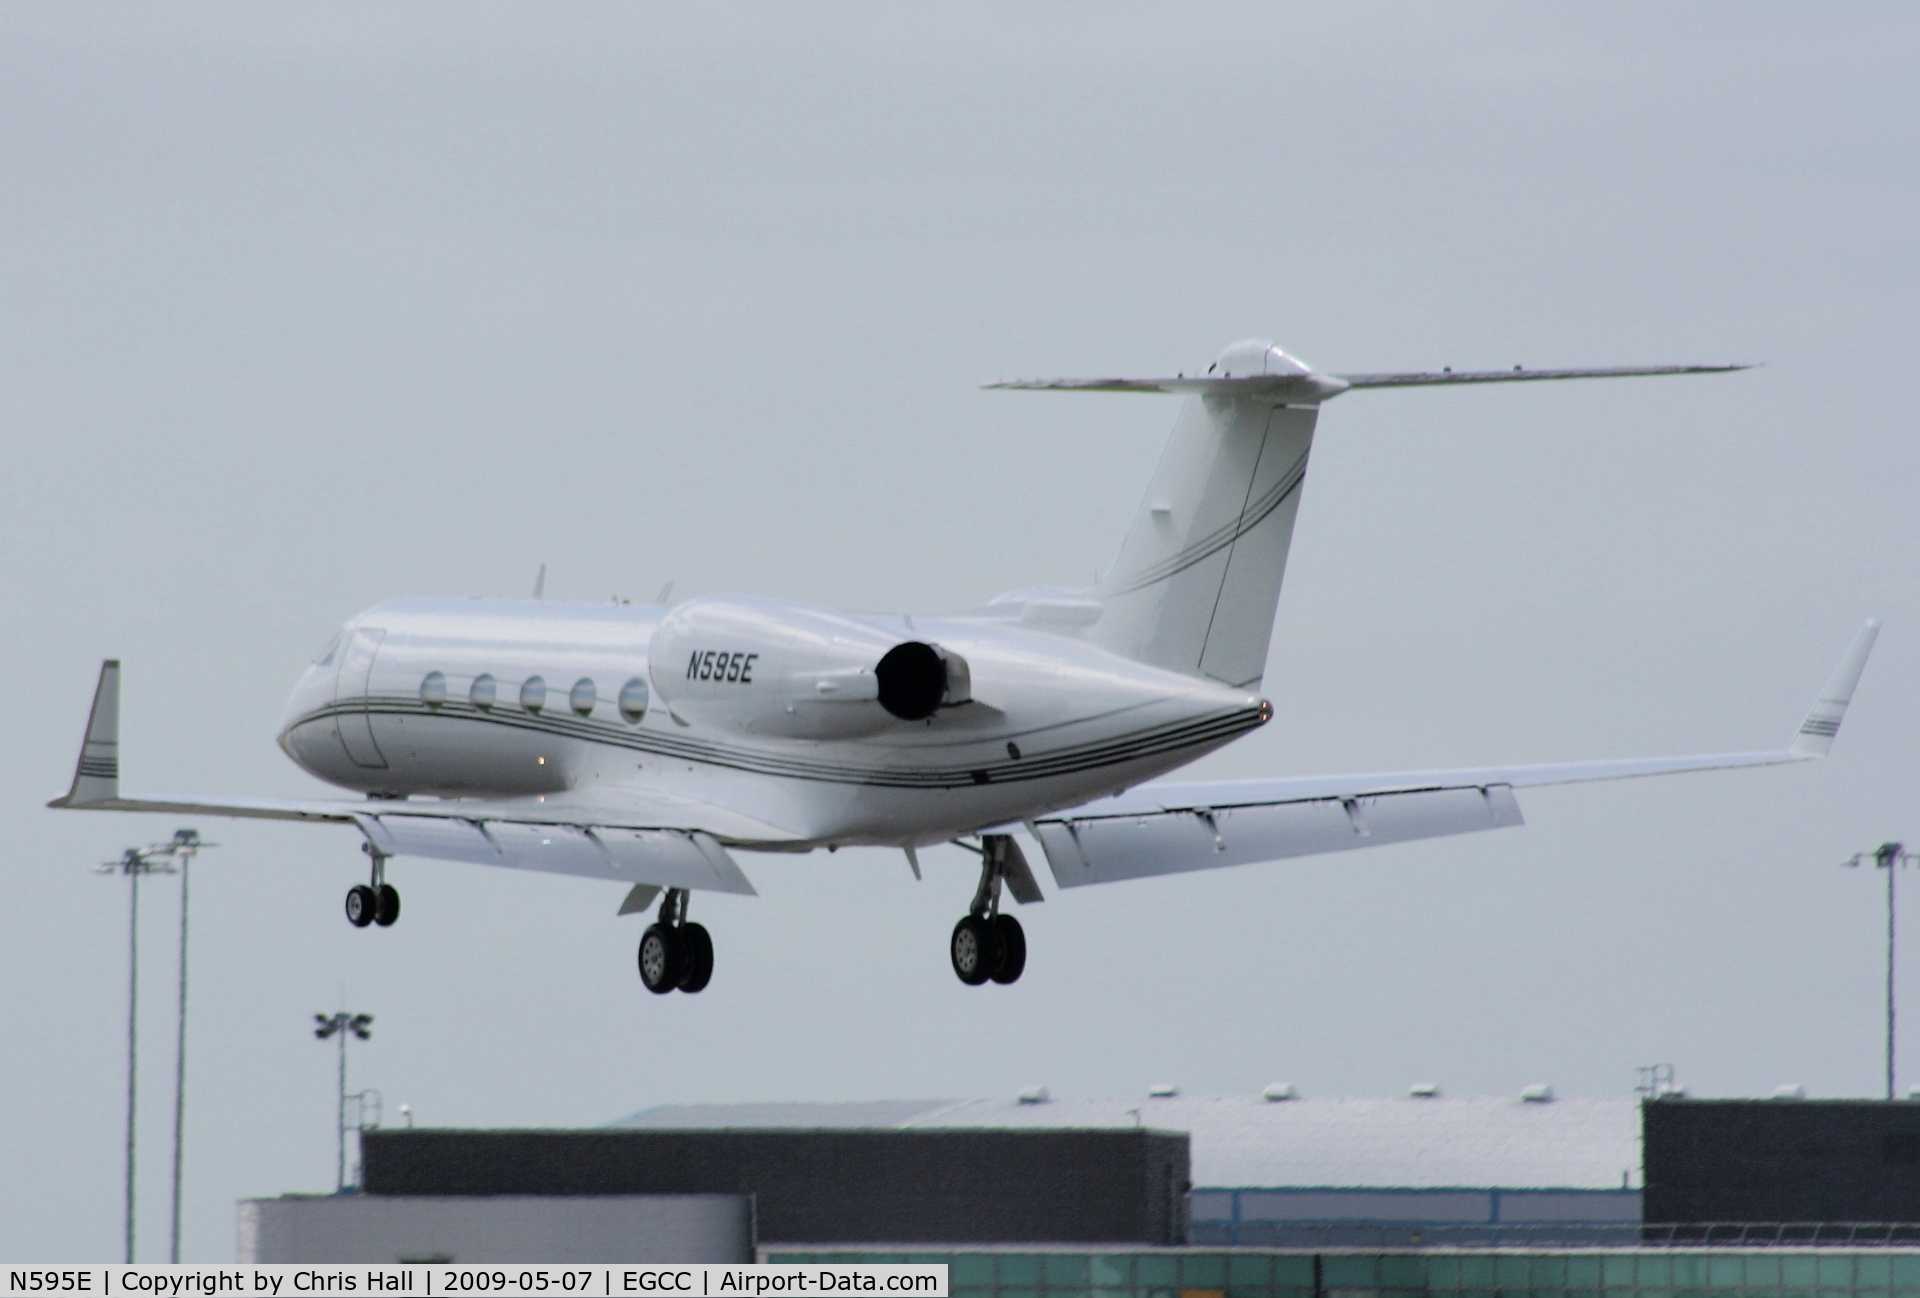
column 375, row 902
column 675, row 954
column 986, row 945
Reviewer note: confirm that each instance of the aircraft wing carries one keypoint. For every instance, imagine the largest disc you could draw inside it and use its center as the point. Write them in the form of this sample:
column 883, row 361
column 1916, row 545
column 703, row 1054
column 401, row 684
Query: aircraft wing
column 636, row 837
column 1172, row 828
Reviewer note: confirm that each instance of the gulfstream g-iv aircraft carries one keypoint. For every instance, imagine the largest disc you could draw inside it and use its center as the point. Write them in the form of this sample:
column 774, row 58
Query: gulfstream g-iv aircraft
column 648, row 745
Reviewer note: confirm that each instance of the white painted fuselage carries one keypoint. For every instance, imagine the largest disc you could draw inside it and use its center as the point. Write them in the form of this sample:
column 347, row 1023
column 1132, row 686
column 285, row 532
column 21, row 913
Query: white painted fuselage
column 771, row 710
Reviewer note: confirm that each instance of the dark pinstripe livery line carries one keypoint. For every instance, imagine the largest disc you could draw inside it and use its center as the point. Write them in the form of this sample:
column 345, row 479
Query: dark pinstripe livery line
column 1146, row 742
column 1220, row 538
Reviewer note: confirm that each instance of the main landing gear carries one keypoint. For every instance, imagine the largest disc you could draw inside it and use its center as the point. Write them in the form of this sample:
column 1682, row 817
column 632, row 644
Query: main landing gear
column 375, row 902
column 675, row 955
column 986, row 945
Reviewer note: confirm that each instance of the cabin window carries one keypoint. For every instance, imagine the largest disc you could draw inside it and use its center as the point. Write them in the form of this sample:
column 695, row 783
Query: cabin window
column 433, row 690
column 633, row 700
column 483, row 692
column 583, row 697
column 533, row 694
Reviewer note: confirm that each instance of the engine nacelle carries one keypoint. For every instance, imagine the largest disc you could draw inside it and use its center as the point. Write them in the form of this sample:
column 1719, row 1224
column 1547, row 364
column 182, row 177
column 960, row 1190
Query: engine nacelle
column 765, row 667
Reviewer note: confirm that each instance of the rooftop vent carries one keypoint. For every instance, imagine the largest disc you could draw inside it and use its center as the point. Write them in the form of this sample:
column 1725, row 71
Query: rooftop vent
column 1790, row 1091
column 1280, row 1091
column 1423, row 1091
column 1538, row 1093
column 1035, row 1095
column 1163, row 1090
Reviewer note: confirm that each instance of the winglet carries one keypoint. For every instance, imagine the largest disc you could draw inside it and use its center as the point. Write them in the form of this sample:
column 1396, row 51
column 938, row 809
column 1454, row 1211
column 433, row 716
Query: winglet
column 97, row 776
column 1823, row 722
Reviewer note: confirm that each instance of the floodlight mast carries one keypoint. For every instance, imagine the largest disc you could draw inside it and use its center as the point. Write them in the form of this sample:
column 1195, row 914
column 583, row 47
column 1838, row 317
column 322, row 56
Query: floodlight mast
column 342, row 1025
column 133, row 863
column 155, row 858
column 185, row 845
column 1889, row 857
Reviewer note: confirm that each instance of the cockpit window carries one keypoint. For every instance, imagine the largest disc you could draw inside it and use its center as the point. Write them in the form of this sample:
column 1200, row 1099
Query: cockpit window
column 326, row 655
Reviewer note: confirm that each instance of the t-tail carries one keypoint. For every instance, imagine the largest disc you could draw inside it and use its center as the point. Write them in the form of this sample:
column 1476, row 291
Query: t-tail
column 1197, row 581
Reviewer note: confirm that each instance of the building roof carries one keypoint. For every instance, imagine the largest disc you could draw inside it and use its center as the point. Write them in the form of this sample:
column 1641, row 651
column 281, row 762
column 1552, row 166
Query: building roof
column 1250, row 1141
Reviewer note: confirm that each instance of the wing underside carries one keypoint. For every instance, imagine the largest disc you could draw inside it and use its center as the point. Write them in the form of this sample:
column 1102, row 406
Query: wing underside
column 1174, row 828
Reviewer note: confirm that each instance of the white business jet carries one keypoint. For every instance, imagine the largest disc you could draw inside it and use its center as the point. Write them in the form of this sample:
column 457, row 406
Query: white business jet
column 648, row 745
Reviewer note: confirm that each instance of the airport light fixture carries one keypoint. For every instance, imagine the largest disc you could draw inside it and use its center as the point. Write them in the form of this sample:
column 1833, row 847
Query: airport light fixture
column 342, row 1025
column 1889, row 857
column 183, row 847
column 156, row 858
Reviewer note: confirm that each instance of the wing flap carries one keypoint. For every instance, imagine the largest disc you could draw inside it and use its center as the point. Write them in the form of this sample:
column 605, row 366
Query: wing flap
column 673, row 860
column 662, row 858
column 1108, row 848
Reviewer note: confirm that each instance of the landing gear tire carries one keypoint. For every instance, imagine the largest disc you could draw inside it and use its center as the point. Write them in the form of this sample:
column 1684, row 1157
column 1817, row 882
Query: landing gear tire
column 663, row 959
column 975, row 950
column 386, row 905
column 362, row 905
column 1013, row 949
column 697, row 953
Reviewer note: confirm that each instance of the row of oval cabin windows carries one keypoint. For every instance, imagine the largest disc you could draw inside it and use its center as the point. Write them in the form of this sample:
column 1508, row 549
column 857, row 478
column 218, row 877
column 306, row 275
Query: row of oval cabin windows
column 485, row 692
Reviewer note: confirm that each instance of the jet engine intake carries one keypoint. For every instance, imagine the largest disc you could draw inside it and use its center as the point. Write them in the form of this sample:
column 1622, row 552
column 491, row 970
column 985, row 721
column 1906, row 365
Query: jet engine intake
column 918, row 679
column 913, row 680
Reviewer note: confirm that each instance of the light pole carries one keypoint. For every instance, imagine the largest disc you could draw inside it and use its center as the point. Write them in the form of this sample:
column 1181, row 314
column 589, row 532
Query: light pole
column 1889, row 857
column 342, row 1025
column 157, row 858
column 186, row 844
column 133, row 863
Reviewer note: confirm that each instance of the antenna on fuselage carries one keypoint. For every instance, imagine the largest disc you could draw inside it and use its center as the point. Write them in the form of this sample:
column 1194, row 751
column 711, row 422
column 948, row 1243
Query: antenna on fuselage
column 666, row 593
column 540, row 583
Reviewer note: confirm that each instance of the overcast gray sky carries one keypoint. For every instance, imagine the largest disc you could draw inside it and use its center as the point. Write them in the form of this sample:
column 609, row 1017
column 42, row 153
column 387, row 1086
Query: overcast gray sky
column 307, row 306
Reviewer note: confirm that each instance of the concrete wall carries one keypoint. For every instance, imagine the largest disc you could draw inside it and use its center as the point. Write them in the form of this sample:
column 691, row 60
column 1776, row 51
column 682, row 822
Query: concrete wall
column 504, row 1228
column 838, row 1186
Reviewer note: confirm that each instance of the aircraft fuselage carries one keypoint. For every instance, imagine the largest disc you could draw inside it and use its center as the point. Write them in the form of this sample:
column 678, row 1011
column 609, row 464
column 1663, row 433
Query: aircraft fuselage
column 829, row 728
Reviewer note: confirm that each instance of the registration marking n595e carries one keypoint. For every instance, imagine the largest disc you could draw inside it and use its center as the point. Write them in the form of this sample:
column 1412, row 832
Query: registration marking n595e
column 712, row 665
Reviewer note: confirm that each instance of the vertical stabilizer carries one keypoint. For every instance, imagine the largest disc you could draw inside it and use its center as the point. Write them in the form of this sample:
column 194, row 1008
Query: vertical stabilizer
column 97, row 776
column 1198, row 577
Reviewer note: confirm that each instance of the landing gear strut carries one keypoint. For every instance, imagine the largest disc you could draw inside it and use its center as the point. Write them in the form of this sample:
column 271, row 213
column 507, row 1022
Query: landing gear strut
column 675, row 954
column 374, row 902
column 988, row 946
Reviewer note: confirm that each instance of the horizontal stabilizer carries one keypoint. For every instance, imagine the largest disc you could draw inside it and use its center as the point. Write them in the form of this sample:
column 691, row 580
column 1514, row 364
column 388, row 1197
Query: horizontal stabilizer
column 1281, row 388
column 1312, row 387
column 1172, row 828
column 1428, row 378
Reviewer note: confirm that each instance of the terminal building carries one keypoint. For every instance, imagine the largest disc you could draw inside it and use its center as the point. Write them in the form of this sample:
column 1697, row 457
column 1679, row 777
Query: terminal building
column 1280, row 1169
column 1269, row 1196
